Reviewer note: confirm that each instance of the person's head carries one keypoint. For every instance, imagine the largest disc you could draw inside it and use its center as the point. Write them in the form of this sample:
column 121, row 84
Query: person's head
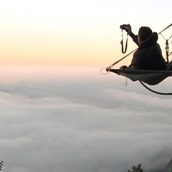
column 144, row 33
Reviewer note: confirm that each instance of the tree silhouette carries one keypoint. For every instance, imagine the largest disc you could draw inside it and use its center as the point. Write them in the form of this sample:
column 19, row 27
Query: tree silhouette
column 136, row 169
column 1, row 164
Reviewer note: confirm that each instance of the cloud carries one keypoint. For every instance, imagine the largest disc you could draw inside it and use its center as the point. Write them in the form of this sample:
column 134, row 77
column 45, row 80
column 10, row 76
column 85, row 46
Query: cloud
column 83, row 125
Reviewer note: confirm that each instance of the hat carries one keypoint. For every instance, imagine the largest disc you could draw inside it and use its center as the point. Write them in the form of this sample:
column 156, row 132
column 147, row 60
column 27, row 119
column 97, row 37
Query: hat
column 144, row 32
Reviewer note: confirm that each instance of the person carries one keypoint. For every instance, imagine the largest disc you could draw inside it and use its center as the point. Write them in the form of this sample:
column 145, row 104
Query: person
column 148, row 55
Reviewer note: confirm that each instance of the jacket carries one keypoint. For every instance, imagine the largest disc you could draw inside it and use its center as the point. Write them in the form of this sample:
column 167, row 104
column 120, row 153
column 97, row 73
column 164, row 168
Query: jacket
column 148, row 55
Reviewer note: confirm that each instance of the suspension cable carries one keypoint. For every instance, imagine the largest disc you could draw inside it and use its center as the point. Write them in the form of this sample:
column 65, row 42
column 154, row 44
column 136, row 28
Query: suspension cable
column 166, row 42
column 165, row 28
column 104, row 70
column 154, row 91
column 109, row 67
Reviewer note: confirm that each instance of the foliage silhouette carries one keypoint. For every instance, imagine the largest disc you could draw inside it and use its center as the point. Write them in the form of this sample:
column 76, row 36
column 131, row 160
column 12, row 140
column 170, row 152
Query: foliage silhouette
column 136, row 169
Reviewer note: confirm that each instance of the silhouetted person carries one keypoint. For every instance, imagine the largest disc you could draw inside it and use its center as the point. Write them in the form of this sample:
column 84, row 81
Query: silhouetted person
column 148, row 55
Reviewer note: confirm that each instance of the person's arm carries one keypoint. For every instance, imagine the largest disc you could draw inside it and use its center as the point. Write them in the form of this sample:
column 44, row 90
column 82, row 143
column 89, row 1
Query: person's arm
column 132, row 35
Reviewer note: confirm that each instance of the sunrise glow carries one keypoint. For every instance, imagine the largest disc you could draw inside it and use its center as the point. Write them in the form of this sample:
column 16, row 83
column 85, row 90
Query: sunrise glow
column 67, row 32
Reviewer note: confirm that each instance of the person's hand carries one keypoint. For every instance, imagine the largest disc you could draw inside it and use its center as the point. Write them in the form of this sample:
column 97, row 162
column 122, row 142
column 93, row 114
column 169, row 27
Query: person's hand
column 123, row 67
column 128, row 29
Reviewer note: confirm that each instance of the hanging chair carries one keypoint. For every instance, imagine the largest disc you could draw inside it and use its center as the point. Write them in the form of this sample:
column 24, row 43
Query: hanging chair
column 151, row 77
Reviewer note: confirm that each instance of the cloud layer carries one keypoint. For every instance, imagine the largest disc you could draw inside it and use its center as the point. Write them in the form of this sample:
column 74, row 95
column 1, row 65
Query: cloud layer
column 83, row 125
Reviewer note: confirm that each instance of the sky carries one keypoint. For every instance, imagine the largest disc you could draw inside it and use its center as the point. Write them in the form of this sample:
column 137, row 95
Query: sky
column 73, row 32
column 58, row 112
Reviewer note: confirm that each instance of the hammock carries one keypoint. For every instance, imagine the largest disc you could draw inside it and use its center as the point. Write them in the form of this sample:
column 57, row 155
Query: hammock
column 151, row 77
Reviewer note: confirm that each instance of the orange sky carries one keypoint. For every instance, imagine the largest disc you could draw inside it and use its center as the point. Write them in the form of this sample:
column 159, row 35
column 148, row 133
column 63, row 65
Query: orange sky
column 72, row 32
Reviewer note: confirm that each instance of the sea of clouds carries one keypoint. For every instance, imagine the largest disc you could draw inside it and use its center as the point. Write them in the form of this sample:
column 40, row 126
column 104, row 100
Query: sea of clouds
column 83, row 124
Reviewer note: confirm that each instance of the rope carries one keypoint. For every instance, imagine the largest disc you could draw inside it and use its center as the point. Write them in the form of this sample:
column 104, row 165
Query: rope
column 109, row 67
column 154, row 91
column 166, row 44
column 165, row 28
column 105, row 70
